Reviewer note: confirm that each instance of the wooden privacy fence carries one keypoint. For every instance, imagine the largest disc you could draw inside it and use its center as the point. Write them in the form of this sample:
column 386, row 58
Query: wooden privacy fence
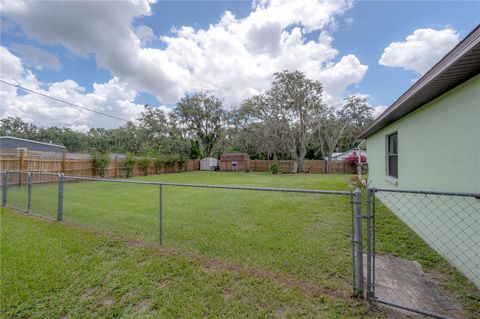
column 289, row 166
column 80, row 164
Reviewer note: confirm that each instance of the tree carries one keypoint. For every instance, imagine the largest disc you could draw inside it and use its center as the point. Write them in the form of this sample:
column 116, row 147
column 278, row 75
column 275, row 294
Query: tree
column 100, row 163
column 144, row 164
column 126, row 139
column 128, row 164
column 346, row 122
column 74, row 141
column 359, row 115
column 262, row 128
column 16, row 127
column 99, row 139
column 202, row 116
column 300, row 100
column 195, row 150
column 153, row 127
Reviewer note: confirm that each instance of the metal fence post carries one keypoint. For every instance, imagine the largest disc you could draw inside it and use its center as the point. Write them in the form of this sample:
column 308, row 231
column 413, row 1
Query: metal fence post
column 369, row 245
column 161, row 214
column 4, row 188
column 29, row 185
column 358, row 258
column 61, row 179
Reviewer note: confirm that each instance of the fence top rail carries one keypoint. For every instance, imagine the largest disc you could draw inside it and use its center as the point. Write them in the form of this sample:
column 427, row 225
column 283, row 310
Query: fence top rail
column 376, row 190
column 30, row 172
column 247, row 188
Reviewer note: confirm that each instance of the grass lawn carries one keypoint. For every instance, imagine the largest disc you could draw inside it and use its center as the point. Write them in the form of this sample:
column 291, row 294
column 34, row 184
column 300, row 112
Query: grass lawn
column 303, row 236
column 50, row 270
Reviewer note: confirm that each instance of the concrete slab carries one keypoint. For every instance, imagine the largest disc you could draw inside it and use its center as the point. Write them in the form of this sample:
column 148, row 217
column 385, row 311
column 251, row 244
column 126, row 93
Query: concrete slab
column 404, row 282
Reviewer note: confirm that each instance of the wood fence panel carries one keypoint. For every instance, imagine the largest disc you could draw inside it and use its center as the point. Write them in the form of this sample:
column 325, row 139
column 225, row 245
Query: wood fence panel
column 82, row 164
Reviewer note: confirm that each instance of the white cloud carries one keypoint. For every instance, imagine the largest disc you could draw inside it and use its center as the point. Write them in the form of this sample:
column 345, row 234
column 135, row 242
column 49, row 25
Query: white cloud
column 379, row 109
column 112, row 97
column 144, row 33
column 420, row 50
column 233, row 58
column 37, row 57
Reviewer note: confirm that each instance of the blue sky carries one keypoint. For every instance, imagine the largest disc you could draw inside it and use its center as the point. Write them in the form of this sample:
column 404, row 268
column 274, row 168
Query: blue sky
column 121, row 47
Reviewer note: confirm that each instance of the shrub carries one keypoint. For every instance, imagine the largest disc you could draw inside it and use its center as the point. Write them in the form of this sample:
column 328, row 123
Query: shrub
column 171, row 159
column 181, row 161
column 159, row 162
column 128, row 165
column 144, row 164
column 352, row 159
column 100, row 163
column 274, row 168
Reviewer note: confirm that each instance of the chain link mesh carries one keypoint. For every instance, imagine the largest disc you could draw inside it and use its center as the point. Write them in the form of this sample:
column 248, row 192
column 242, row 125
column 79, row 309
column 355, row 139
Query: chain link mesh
column 307, row 235
column 44, row 194
column 423, row 266
column 304, row 235
column 418, row 239
column 17, row 190
column 128, row 210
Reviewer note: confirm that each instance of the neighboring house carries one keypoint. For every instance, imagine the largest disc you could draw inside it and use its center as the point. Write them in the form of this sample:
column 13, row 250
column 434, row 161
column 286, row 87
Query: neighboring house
column 234, row 162
column 429, row 139
column 9, row 142
column 344, row 155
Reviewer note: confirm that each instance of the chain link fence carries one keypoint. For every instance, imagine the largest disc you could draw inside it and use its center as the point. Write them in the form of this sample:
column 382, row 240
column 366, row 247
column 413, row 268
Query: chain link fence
column 419, row 248
column 304, row 234
column 17, row 183
column 33, row 192
column 423, row 267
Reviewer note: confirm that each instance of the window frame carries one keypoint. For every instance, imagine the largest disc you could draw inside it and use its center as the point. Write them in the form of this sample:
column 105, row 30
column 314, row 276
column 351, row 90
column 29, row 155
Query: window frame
column 390, row 154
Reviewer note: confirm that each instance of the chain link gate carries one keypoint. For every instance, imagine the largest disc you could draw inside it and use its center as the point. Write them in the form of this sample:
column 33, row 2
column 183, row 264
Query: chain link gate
column 443, row 244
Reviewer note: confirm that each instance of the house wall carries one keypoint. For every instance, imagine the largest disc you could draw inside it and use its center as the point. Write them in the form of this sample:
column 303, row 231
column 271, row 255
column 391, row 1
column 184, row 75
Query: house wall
column 438, row 150
column 438, row 144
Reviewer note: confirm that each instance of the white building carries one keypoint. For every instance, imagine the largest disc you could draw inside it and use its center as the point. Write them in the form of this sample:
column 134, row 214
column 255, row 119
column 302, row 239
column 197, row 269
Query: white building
column 208, row 164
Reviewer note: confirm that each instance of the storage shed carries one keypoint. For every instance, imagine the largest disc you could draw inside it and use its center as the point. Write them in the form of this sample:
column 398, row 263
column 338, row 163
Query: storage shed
column 208, row 164
column 235, row 162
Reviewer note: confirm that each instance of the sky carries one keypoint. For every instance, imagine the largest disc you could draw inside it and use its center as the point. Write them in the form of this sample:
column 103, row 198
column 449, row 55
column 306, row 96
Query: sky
column 116, row 56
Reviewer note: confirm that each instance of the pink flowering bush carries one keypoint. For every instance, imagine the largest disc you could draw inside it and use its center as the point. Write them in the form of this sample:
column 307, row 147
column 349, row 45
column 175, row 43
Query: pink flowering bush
column 352, row 159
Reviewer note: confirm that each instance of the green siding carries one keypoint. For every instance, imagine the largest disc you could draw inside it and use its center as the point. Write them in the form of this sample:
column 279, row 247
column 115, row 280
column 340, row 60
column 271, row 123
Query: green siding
column 438, row 150
column 438, row 144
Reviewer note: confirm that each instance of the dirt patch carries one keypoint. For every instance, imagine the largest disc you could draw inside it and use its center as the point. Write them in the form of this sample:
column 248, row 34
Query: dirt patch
column 404, row 282
column 87, row 294
column 130, row 294
column 283, row 312
column 142, row 305
column 307, row 287
column 108, row 302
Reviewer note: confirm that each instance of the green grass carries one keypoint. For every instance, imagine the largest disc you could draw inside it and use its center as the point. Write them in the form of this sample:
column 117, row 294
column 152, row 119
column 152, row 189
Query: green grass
column 306, row 236
column 51, row 270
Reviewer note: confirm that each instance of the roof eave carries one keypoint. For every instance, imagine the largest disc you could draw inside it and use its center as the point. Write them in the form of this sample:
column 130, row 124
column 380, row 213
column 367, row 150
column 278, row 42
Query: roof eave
column 400, row 107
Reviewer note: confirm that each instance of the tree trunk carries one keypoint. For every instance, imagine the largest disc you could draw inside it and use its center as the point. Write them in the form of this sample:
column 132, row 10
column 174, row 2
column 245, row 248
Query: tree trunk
column 326, row 166
column 300, row 159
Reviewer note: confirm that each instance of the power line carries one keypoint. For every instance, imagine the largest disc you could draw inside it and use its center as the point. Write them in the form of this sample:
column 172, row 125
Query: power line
column 63, row 101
